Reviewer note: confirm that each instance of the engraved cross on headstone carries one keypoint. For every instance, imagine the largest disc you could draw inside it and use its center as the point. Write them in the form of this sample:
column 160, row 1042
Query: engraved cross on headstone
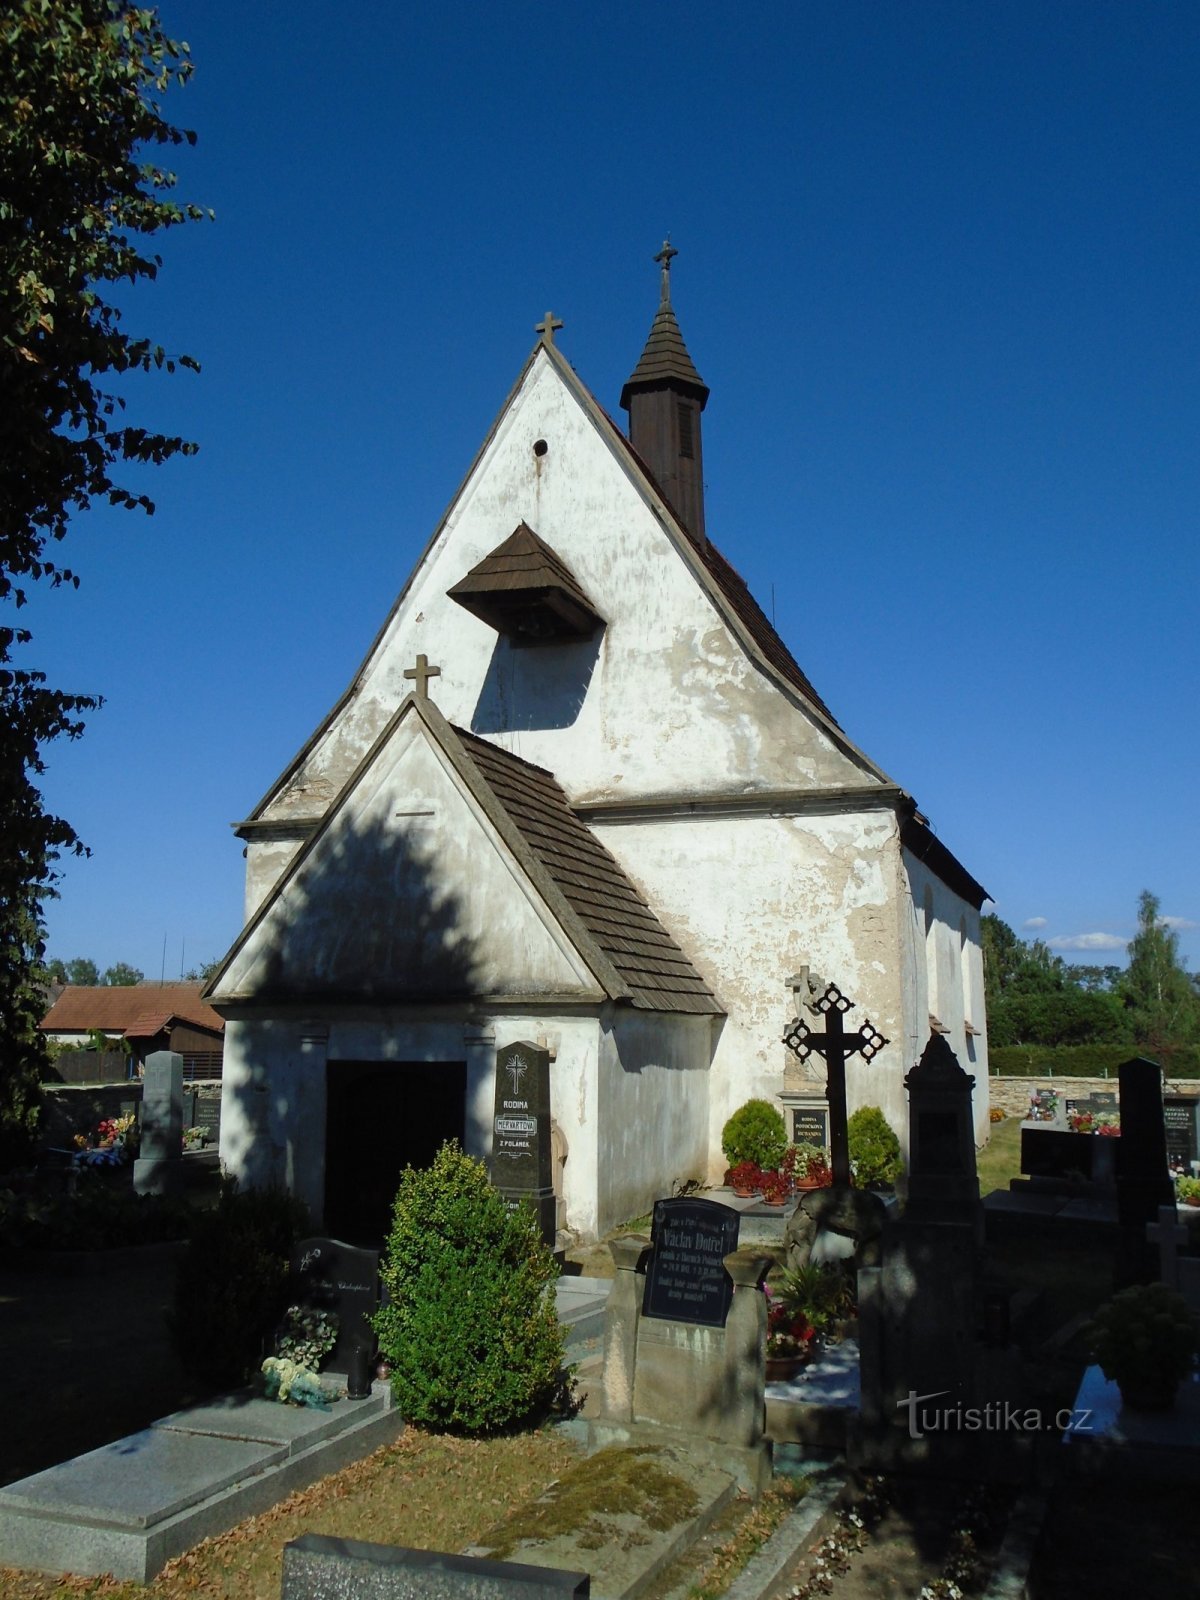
column 421, row 674
column 548, row 327
column 835, row 1044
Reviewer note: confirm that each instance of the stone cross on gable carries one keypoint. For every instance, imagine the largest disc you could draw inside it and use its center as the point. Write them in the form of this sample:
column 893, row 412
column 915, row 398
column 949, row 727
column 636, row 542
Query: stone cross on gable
column 548, row 327
column 835, row 1044
column 421, row 674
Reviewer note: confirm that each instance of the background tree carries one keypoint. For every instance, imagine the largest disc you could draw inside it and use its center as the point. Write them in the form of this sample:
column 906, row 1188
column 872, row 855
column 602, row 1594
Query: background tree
column 122, row 975
column 79, row 100
column 83, row 970
column 1160, row 997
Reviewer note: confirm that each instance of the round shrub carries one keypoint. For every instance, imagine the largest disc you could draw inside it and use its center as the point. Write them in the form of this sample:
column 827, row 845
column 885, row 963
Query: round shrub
column 471, row 1330
column 755, row 1132
column 874, row 1148
column 232, row 1286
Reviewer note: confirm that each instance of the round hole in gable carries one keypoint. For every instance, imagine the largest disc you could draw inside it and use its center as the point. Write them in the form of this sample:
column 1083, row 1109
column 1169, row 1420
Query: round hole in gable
column 540, row 447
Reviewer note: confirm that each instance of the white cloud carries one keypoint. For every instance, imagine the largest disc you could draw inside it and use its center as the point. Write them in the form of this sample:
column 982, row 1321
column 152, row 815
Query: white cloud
column 1034, row 923
column 1180, row 924
column 1087, row 941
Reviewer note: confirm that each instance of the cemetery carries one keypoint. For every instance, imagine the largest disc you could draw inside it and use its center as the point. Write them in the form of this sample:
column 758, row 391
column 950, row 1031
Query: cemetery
column 868, row 1372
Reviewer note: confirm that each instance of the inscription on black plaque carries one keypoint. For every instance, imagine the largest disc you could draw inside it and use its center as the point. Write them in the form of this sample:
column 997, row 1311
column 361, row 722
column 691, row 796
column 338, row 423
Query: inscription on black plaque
column 331, row 1276
column 1181, row 1118
column 521, row 1158
column 685, row 1280
column 810, row 1125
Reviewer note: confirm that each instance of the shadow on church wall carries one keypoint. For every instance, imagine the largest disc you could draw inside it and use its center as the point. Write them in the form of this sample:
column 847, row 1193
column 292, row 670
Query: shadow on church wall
column 535, row 687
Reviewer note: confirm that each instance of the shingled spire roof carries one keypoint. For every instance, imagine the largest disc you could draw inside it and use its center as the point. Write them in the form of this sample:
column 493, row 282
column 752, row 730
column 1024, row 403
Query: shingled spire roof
column 665, row 359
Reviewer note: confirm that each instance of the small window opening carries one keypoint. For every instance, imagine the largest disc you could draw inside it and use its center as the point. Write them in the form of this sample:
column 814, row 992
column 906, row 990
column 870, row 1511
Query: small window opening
column 540, row 447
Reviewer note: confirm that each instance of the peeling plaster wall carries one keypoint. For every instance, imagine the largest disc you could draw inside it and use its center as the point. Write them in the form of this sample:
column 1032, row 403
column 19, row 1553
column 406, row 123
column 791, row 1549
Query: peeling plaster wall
column 751, row 900
column 944, row 933
column 666, row 659
column 273, row 1107
column 653, row 1103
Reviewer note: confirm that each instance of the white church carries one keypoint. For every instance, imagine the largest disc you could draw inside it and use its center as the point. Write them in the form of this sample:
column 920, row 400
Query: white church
column 578, row 793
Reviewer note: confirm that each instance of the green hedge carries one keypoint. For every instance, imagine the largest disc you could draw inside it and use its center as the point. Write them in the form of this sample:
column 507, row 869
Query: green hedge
column 1086, row 1060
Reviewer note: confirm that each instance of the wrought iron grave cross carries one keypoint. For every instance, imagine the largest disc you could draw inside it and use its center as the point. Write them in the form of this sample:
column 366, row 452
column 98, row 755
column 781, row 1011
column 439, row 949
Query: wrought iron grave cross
column 835, row 1044
column 421, row 675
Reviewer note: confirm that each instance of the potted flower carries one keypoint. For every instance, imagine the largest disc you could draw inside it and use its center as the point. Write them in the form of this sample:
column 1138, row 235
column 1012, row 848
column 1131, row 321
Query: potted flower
column 745, row 1178
column 1145, row 1339
column 776, row 1187
column 791, row 1339
column 1187, row 1191
column 811, row 1166
column 821, row 1293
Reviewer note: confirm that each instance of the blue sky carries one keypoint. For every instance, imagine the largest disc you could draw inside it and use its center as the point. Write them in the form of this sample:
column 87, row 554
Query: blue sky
column 937, row 265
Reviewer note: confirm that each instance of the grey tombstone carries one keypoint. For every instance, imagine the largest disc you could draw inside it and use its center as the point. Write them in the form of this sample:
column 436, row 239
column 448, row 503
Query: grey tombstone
column 318, row 1567
column 331, row 1276
column 1143, row 1177
column 521, row 1166
column 158, row 1168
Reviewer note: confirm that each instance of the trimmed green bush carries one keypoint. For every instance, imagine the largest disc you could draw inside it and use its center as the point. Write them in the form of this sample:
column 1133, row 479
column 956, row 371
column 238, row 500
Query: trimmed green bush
column 471, row 1331
column 1088, row 1060
column 232, row 1286
column 755, row 1132
column 874, row 1148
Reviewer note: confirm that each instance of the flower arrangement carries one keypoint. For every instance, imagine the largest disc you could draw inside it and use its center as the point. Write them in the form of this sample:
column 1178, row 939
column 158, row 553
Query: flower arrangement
column 745, row 1178
column 819, row 1292
column 118, row 1134
column 1106, row 1124
column 195, row 1138
column 995, row 1114
column 307, row 1336
column 811, row 1165
column 1043, row 1105
column 1187, row 1190
column 776, row 1187
column 1145, row 1339
column 790, row 1335
column 293, row 1384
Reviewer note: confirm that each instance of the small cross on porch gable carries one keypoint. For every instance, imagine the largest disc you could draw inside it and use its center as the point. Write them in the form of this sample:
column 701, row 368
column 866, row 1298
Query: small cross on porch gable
column 548, row 327
column 420, row 675
column 835, row 1044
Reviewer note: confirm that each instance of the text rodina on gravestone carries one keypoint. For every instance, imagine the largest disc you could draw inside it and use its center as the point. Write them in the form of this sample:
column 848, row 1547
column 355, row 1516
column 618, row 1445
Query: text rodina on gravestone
column 521, row 1162
column 686, row 1280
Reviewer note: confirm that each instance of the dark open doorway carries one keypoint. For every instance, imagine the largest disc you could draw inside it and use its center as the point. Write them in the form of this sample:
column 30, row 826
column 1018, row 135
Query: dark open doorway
column 381, row 1117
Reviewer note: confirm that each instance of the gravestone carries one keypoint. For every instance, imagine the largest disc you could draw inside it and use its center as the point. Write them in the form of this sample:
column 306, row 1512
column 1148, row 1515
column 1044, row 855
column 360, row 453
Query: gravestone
column 810, row 1124
column 331, row 1276
column 522, row 1158
column 1181, row 1118
column 686, row 1280
column 318, row 1567
column 1103, row 1103
column 1143, row 1179
column 158, row 1168
column 942, row 1180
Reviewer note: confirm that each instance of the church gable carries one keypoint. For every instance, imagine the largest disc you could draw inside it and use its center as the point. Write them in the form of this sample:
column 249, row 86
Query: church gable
column 684, row 649
column 408, row 892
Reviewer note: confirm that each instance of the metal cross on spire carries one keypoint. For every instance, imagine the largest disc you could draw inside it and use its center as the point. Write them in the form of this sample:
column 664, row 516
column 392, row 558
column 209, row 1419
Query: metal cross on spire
column 666, row 255
column 421, row 674
column 835, row 1044
column 548, row 327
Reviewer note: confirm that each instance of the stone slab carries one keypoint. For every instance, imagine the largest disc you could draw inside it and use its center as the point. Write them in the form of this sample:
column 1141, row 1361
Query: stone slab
column 254, row 1419
column 818, row 1405
column 103, row 1538
column 139, row 1481
column 1134, row 1444
column 317, row 1567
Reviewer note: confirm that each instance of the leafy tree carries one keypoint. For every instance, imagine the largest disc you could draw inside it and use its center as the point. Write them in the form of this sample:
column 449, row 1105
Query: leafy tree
column 1003, row 952
column 83, row 970
column 80, row 85
column 122, row 976
column 1157, row 991
column 202, row 972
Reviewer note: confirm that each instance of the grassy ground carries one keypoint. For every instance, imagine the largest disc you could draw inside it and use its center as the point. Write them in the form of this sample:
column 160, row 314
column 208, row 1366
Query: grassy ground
column 1000, row 1159
column 435, row 1493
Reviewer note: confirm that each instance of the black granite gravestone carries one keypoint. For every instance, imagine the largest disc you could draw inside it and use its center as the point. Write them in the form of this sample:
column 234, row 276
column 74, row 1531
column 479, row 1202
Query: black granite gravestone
column 810, row 1125
column 521, row 1160
column 1143, row 1178
column 1103, row 1103
column 1181, row 1117
column 686, row 1280
column 337, row 1277
column 319, row 1567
